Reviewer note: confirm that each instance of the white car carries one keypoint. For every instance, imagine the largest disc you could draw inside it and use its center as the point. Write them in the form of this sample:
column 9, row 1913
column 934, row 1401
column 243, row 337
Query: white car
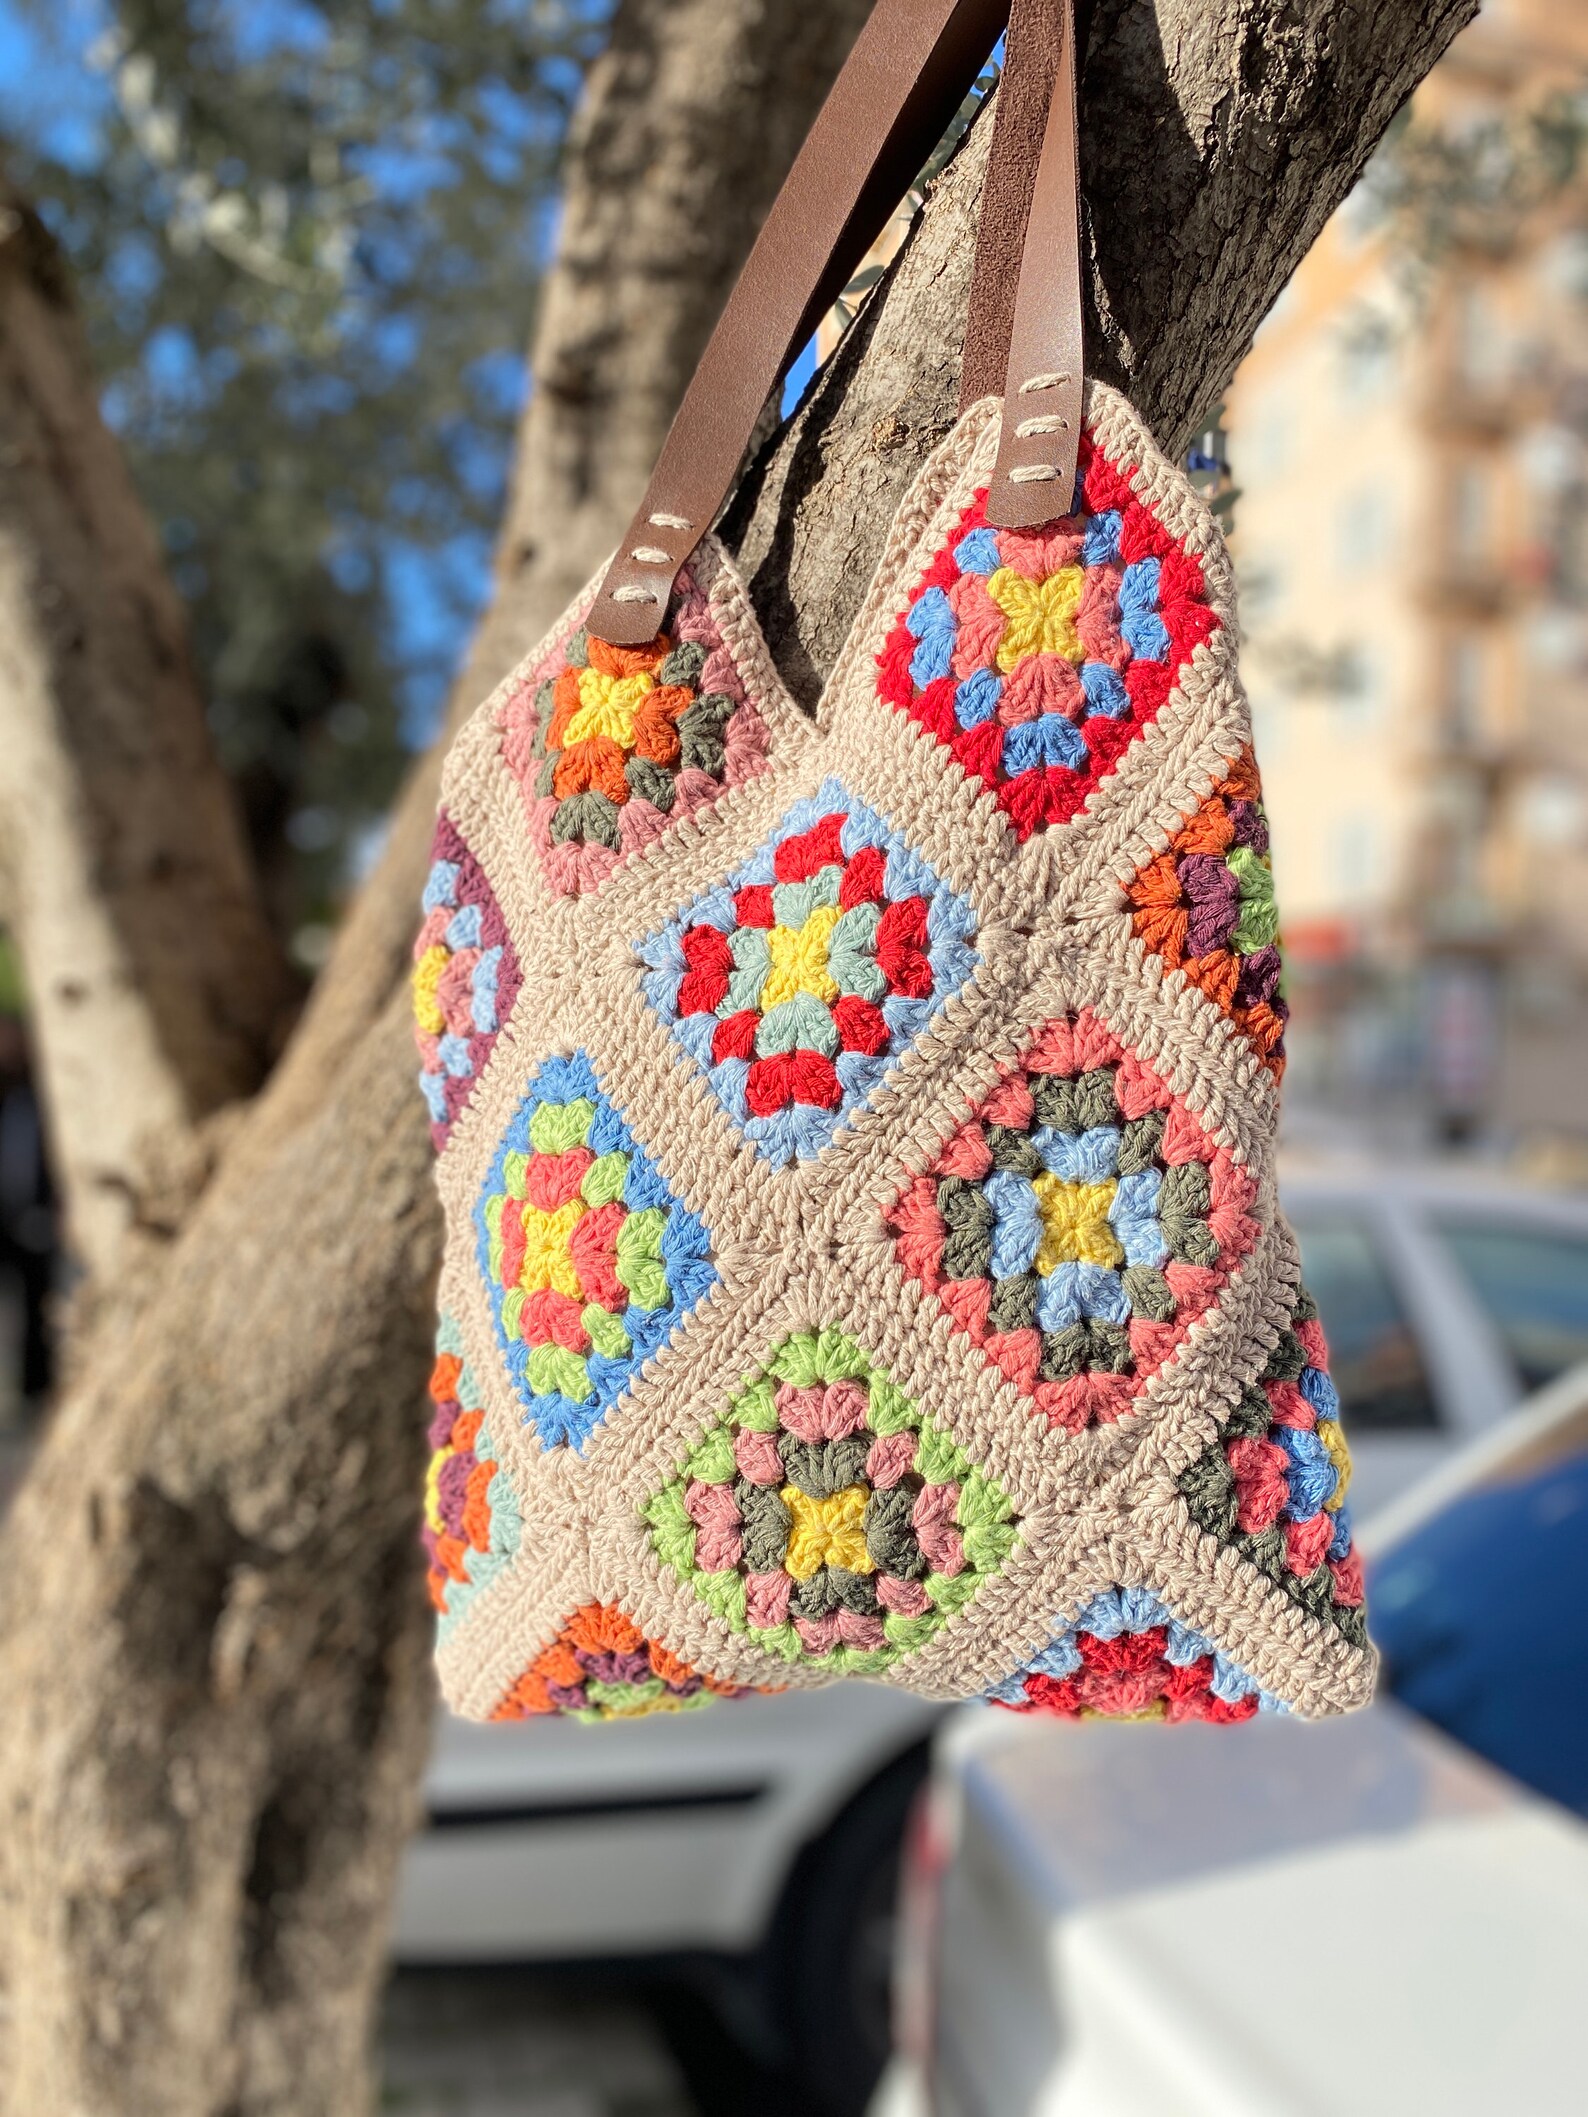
column 767, row 1832
column 1383, row 1914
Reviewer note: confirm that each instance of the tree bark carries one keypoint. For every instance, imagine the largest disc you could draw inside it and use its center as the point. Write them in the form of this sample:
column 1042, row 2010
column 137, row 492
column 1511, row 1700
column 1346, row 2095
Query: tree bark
column 1217, row 137
column 688, row 120
column 212, row 1646
column 664, row 208
column 156, row 989
column 217, row 1647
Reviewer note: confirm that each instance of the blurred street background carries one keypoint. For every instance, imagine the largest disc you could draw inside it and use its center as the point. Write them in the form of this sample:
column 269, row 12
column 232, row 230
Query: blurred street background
column 1407, row 441
column 318, row 398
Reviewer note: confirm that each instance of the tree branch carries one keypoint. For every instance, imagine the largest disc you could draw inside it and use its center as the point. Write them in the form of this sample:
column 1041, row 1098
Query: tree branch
column 157, row 991
column 217, row 1650
column 688, row 120
column 1217, row 136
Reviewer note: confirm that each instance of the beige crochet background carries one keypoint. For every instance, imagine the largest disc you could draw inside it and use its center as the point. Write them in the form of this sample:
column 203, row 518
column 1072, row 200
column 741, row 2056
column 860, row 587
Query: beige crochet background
column 806, row 1246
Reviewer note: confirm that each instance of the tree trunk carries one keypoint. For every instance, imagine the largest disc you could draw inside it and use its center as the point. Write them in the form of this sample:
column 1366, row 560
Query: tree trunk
column 211, row 1650
column 216, row 1644
column 156, row 990
column 1217, row 137
column 666, row 205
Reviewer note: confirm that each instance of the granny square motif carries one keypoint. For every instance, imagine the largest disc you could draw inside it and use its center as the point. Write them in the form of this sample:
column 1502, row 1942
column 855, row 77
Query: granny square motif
column 856, row 1137
column 798, row 983
column 465, row 978
column 590, row 1258
column 611, row 747
column 1036, row 657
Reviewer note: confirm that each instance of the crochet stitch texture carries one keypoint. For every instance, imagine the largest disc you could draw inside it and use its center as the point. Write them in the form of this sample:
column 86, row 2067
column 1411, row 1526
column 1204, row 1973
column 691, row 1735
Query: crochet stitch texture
column 856, row 1136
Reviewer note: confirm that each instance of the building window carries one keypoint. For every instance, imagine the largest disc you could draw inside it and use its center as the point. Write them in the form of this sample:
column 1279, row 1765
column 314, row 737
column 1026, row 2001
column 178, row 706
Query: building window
column 1366, row 362
column 1261, row 444
column 1463, row 702
column 1357, row 860
column 1363, row 531
column 1471, row 513
column 1481, row 354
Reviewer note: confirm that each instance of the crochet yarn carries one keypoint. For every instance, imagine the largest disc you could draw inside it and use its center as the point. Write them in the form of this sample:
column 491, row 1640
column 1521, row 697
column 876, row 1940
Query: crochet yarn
column 1206, row 906
column 612, row 746
column 471, row 1521
column 589, row 1256
column 797, row 985
column 1273, row 1486
column 1036, row 657
column 602, row 1667
column 1077, row 1224
column 465, row 978
column 827, row 1517
column 857, row 1144
column 1127, row 1657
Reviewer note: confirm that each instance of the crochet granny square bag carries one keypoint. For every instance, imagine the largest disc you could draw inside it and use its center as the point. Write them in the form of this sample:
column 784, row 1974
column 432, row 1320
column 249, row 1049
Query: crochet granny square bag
column 856, row 1131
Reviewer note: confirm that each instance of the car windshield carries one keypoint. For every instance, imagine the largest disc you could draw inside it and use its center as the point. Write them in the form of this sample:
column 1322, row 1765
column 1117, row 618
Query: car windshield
column 1373, row 1355
column 1478, row 1615
column 1534, row 1284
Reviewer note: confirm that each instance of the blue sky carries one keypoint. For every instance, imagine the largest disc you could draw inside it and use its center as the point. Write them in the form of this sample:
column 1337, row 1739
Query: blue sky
column 53, row 95
column 47, row 88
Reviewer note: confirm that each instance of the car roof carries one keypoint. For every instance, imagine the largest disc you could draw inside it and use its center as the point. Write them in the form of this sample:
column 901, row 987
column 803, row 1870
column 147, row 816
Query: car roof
column 1437, row 1970
column 1460, row 1191
column 1553, row 1418
column 1091, row 1814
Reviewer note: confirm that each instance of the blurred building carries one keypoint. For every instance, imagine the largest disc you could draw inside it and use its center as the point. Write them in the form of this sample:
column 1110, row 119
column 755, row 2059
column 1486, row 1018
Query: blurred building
column 1409, row 440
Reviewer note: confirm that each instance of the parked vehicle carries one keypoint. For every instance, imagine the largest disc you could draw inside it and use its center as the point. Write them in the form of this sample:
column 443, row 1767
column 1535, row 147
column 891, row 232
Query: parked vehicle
column 1380, row 1914
column 768, row 1831
column 1445, row 1301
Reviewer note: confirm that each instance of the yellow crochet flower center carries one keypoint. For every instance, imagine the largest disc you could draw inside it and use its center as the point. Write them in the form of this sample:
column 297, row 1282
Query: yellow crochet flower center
column 1332, row 1435
column 426, row 979
column 1041, row 614
column 827, row 1532
column 608, row 705
column 433, row 1513
column 799, row 960
column 547, row 1261
column 1075, row 1224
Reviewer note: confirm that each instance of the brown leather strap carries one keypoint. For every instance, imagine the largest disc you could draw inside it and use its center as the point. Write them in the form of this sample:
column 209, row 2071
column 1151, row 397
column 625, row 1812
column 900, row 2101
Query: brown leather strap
column 898, row 89
column 1034, row 476
column 1020, row 119
column 902, row 82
